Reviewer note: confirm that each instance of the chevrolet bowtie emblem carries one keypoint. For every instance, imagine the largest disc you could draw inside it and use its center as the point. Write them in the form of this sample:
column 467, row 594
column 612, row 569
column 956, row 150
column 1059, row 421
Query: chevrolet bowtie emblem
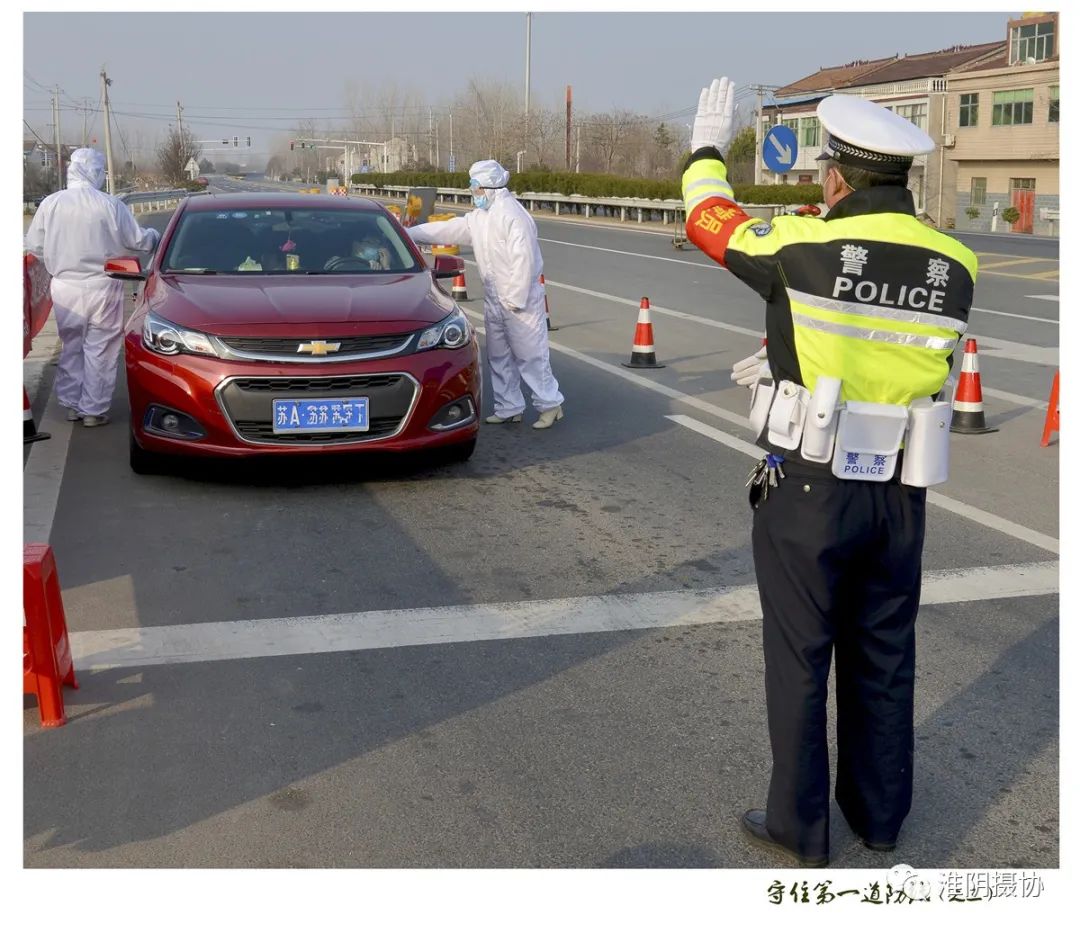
column 318, row 348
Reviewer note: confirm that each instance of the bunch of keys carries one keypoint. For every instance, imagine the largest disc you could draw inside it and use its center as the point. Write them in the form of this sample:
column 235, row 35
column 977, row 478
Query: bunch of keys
column 766, row 474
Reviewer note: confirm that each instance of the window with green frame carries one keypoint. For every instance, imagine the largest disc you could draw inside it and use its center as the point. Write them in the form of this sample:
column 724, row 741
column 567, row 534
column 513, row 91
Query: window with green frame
column 1012, row 108
column 1054, row 104
column 969, row 109
column 978, row 192
column 810, row 131
column 792, row 123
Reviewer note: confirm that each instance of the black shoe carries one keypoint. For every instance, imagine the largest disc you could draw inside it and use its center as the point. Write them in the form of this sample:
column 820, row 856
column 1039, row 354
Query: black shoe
column 753, row 823
column 878, row 846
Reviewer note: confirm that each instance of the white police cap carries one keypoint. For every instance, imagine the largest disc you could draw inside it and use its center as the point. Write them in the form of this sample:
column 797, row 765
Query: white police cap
column 865, row 135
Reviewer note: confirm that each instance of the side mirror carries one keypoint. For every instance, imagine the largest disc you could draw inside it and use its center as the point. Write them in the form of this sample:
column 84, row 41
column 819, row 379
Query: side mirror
column 124, row 267
column 448, row 267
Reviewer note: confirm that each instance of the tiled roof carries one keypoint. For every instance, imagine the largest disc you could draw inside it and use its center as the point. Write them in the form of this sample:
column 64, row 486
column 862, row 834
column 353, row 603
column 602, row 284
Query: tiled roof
column 825, row 79
column 892, row 68
column 929, row 64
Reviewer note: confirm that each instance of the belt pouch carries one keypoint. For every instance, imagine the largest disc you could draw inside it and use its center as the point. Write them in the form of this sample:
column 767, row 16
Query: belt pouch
column 761, row 396
column 926, row 450
column 868, row 439
column 787, row 415
column 819, row 432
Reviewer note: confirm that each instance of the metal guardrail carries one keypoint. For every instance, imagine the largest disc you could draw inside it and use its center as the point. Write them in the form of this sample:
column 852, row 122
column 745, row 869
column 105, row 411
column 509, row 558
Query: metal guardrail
column 143, row 202
column 639, row 210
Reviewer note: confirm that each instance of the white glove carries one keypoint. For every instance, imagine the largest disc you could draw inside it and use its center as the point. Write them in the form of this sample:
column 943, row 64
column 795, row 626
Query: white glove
column 752, row 369
column 715, row 121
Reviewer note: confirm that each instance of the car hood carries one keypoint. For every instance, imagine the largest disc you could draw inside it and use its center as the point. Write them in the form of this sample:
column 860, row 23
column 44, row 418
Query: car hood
column 229, row 305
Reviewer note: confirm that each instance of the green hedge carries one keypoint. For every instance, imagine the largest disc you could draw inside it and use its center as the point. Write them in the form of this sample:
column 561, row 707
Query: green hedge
column 596, row 186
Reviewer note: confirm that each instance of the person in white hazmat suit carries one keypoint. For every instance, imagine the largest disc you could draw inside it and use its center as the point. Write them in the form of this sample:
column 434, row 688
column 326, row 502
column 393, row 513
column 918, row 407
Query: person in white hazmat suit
column 73, row 232
column 504, row 241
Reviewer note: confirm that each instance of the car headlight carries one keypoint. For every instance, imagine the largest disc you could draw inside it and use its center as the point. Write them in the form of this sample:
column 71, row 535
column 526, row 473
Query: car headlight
column 163, row 336
column 451, row 332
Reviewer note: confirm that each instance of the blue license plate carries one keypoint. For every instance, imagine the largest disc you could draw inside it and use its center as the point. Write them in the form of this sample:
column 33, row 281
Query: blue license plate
column 319, row 415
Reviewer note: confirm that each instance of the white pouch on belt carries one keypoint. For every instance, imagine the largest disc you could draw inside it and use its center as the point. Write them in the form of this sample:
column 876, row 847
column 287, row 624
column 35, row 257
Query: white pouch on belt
column 761, row 396
column 819, row 432
column 787, row 415
column 926, row 451
column 868, row 440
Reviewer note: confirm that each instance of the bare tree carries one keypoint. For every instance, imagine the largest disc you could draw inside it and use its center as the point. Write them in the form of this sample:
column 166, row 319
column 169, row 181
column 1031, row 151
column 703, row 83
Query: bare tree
column 173, row 155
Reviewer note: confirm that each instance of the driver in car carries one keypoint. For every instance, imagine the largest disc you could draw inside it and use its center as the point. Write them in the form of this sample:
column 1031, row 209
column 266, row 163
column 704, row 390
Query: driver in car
column 369, row 248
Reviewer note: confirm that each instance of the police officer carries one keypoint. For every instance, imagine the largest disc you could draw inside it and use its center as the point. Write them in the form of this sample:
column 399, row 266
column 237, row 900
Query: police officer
column 863, row 306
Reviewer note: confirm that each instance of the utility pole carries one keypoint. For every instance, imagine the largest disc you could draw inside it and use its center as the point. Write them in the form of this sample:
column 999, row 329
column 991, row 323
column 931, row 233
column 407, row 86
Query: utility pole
column 438, row 158
column 577, row 157
column 528, row 71
column 85, row 113
column 105, row 82
column 757, row 138
column 56, row 135
column 452, row 136
column 430, row 138
column 569, row 107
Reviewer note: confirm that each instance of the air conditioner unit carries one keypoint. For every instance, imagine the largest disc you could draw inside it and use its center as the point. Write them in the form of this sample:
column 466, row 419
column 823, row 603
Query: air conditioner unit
column 949, row 141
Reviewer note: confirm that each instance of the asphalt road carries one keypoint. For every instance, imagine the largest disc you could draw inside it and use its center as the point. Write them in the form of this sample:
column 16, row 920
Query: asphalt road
column 593, row 696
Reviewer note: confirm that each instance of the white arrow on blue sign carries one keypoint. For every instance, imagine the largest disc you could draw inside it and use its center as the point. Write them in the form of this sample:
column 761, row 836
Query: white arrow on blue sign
column 780, row 149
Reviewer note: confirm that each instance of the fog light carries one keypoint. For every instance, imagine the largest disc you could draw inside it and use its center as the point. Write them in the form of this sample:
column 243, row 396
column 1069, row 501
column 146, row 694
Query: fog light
column 165, row 422
column 170, row 423
column 455, row 414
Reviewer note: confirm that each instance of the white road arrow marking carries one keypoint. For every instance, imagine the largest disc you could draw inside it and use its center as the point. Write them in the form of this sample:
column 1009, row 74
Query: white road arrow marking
column 785, row 151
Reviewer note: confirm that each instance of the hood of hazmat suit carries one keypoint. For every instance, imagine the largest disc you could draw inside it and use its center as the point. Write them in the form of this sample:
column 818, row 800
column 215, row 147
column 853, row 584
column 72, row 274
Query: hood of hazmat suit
column 86, row 168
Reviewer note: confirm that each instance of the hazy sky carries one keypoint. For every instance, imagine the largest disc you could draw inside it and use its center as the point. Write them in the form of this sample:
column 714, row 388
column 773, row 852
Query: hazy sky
column 254, row 73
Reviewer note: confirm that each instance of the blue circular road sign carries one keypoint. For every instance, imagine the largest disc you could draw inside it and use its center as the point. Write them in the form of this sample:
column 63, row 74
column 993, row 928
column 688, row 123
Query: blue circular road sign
column 780, row 149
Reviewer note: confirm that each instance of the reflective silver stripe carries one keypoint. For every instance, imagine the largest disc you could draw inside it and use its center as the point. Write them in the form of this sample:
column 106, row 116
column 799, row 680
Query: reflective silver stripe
column 892, row 314
column 706, row 188
column 879, row 336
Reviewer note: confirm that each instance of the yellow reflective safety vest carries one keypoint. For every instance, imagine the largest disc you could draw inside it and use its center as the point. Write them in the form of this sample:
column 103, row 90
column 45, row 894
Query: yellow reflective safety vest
column 869, row 294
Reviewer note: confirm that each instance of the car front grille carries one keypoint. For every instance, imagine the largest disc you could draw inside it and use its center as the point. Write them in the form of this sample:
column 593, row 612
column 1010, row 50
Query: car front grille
column 248, row 404
column 287, row 346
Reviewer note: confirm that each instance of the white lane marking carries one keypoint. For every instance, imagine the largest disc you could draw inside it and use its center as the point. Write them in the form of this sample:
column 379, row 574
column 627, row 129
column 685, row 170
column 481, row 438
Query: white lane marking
column 990, row 520
column 396, row 628
column 1015, row 399
column 1023, row 317
column 729, row 440
column 1045, row 297
column 710, row 265
column 1020, row 352
column 980, row 517
column 656, row 309
column 630, row 376
column 43, row 474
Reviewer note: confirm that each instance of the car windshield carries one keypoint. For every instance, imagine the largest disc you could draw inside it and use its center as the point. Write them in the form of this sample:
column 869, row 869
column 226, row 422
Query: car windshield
column 287, row 242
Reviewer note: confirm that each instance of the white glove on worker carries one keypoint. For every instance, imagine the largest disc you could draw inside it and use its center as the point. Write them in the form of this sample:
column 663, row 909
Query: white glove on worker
column 714, row 124
column 752, row 369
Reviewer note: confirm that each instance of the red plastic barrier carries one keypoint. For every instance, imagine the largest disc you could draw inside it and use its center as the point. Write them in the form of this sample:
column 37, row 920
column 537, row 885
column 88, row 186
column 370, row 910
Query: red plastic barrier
column 37, row 302
column 47, row 665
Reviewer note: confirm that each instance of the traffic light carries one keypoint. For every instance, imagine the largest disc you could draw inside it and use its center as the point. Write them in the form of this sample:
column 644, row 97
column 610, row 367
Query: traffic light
column 249, row 142
column 236, row 141
column 292, row 143
column 224, row 142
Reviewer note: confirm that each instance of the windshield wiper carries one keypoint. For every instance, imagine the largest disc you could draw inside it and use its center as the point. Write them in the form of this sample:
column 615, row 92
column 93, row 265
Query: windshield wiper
column 191, row 271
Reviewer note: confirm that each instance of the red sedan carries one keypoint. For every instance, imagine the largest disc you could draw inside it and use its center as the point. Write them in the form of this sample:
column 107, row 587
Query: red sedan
column 295, row 325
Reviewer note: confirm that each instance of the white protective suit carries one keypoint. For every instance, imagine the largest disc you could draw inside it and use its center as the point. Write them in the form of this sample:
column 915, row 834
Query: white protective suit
column 504, row 242
column 74, row 232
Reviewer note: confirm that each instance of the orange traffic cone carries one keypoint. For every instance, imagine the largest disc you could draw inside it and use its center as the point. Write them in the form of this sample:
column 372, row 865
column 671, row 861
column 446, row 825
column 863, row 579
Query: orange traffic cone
column 1053, row 414
column 968, row 416
column 547, row 310
column 643, row 355
column 458, row 291
column 30, row 431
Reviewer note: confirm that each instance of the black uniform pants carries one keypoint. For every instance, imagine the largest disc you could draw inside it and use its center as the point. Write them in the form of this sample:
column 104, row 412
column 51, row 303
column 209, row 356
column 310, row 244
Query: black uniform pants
column 839, row 566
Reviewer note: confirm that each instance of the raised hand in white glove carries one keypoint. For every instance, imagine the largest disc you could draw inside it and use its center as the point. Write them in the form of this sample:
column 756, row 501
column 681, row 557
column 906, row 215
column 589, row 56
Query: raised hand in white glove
column 752, row 369
column 715, row 120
